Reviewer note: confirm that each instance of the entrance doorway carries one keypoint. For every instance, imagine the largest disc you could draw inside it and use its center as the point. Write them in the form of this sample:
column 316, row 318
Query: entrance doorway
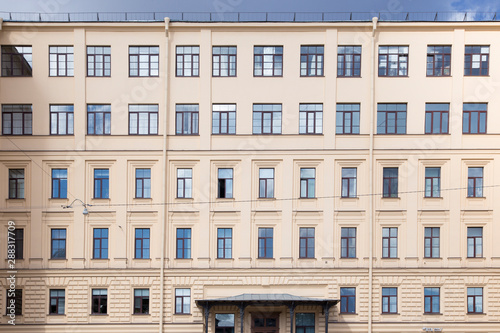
column 265, row 322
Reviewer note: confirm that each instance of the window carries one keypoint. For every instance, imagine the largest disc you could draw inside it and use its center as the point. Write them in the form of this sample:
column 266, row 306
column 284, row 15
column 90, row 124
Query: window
column 17, row 60
column 183, row 243
column 389, row 242
column 474, row 242
column 224, row 323
column 98, row 61
column 348, row 242
column 475, row 300
column 268, row 61
column 474, row 121
column 182, row 301
column 266, row 183
column 311, row 60
column 143, row 183
column 184, row 183
column 141, row 301
column 349, row 176
column 307, row 182
column 393, row 61
column 437, row 118
column 225, row 183
column 306, row 242
column 61, row 61
column 389, row 300
column 347, row 119
column 224, row 61
column 391, row 119
column 59, row 183
column 143, row 119
column 349, row 61
column 18, row 251
column 348, row 300
column 431, row 300
column 58, row 243
column 477, row 59
column 16, row 119
column 431, row 242
column 432, row 182
column 438, row 60
column 186, row 119
column 475, row 183
column 98, row 119
column 224, row 119
column 188, row 61
column 57, row 301
column 101, row 183
column 142, row 243
column 143, row 60
column 99, row 301
column 311, row 119
column 267, row 119
column 61, row 119
column 100, row 243
column 390, row 183
column 265, row 242
column 16, row 183
column 224, row 243
column 304, row 323
column 14, row 302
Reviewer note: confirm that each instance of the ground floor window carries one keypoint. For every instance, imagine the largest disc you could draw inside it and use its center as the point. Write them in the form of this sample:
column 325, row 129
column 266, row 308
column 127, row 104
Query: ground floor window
column 304, row 322
column 224, row 323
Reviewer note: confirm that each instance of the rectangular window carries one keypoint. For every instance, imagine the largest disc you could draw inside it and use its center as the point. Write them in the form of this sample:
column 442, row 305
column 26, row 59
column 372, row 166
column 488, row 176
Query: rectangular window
column 225, row 183
column 267, row 119
column 431, row 242
column 186, row 119
column 58, row 244
column 17, row 119
column 391, row 118
column 311, row 119
column 307, row 182
column 349, row 61
column 16, row 183
column 390, row 183
column 143, row 60
column 348, row 242
column 475, row 182
column 59, row 183
column 99, row 301
column 349, row 177
column 437, row 118
column 475, row 300
column 438, row 60
column 141, row 301
column 188, row 61
column 61, row 61
column 16, row 299
column 306, row 242
column 223, row 61
column 182, row 301
column 347, row 121
column 184, row 183
column 98, row 119
column 432, row 182
column 265, row 242
column 266, row 183
column 474, row 118
column 57, row 301
column 61, row 119
column 304, row 323
column 101, row 183
column 183, row 243
column 18, row 251
column 143, row 183
column 348, row 300
column 100, row 243
column 389, row 242
column 389, row 300
column 311, row 60
column 474, row 242
column 17, row 60
column 393, row 61
column 224, row 243
column 142, row 243
column 224, row 323
column 268, row 61
column 224, row 119
column 98, row 60
column 431, row 300
column 143, row 119
column 477, row 60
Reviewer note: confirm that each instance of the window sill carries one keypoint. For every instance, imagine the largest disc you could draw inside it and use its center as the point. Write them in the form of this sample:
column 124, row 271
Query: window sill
column 433, row 314
column 225, row 199
column 433, row 258
column 99, row 314
column 476, row 198
column 56, row 314
column 348, row 77
column 182, row 314
column 431, row 198
column 388, row 258
column 58, row 259
column 348, row 313
column 312, row 134
column 224, row 259
column 263, row 258
column 349, row 258
column 184, row 259
column 185, row 199
column 307, row 258
column 349, row 198
column 390, row 313
column 304, row 198
column 141, row 314
column 100, row 259
column 143, row 199
column 476, row 313
column 476, row 258
column 392, row 198
column 16, row 199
